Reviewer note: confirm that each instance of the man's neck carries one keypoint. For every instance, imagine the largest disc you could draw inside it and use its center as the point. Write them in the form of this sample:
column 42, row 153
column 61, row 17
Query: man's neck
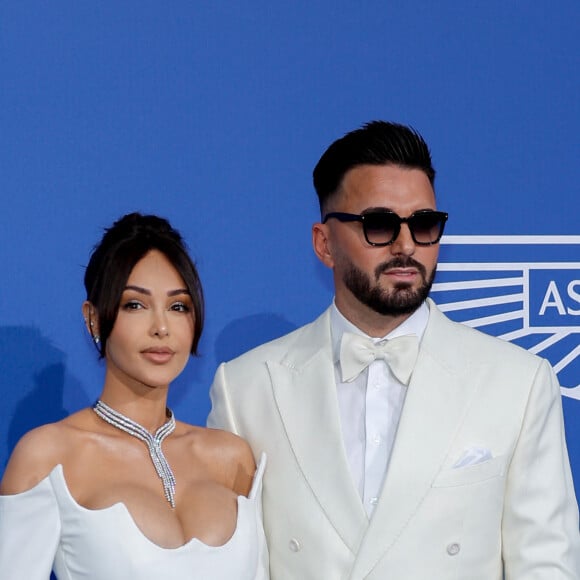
column 370, row 322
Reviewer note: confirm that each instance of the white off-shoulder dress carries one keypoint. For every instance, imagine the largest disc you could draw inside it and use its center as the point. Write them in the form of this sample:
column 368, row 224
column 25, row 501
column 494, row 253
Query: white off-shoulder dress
column 45, row 529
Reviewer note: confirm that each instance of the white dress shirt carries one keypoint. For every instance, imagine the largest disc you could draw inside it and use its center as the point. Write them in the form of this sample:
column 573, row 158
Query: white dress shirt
column 370, row 407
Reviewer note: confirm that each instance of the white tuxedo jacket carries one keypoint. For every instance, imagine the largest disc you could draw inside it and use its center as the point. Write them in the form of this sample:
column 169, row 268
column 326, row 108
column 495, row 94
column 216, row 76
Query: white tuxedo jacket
column 515, row 513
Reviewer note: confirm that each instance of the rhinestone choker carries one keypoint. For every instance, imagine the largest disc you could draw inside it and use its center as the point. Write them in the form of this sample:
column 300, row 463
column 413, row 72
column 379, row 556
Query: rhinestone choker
column 153, row 442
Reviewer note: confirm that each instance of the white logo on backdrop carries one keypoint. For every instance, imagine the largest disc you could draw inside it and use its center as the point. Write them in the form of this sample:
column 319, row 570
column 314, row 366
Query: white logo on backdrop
column 525, row 289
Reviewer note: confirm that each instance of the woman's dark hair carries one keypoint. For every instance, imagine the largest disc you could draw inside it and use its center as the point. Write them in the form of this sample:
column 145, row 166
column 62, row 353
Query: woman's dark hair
column 376, row 143
column 127, row 241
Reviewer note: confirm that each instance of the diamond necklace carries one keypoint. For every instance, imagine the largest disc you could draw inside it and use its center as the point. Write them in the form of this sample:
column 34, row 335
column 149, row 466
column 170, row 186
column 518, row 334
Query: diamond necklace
column 153, row 442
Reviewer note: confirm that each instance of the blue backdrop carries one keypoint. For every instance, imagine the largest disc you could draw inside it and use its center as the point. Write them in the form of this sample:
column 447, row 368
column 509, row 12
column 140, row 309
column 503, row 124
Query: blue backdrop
column 213, row 114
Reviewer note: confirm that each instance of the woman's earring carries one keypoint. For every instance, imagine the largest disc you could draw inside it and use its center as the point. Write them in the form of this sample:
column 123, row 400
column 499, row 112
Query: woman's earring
column 96, row 338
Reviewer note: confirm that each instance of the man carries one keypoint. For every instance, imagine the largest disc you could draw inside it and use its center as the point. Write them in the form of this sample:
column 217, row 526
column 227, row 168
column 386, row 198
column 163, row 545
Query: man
column 401, row 445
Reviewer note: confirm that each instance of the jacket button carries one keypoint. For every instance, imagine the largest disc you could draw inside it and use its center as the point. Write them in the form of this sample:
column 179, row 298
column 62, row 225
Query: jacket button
column 453, row 549
column 294, row 545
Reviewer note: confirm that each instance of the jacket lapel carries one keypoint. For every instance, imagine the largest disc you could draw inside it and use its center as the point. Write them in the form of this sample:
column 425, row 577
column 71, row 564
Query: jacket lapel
column 438, row 397
column 305, row 392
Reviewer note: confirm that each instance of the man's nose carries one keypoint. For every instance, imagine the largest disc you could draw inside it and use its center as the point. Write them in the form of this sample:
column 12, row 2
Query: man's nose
column 404, row 243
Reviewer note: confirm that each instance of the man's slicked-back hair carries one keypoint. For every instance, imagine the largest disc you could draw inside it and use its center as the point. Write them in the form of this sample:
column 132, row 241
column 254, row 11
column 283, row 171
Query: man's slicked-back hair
column 124, row 244
column 375, row 143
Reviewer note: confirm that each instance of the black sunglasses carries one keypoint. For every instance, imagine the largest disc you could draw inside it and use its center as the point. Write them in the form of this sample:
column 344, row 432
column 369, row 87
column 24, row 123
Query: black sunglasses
column 381, row 228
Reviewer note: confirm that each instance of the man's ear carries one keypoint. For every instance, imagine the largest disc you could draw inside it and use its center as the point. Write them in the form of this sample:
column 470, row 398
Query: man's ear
column 91, row 320
column 322, row 244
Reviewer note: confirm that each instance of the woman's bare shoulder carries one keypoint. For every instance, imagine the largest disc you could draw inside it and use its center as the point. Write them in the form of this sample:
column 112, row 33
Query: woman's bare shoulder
column 38, row 452
column 229, row 455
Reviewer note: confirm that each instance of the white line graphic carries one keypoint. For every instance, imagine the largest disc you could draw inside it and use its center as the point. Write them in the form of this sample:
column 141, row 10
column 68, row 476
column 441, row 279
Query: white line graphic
column 487, row 303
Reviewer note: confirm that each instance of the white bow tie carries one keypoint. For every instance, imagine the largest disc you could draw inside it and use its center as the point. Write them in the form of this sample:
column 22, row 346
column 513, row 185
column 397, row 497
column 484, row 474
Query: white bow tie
column 357, row 352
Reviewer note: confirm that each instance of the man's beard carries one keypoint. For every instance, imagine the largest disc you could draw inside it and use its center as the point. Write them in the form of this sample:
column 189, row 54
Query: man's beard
column 402, row 299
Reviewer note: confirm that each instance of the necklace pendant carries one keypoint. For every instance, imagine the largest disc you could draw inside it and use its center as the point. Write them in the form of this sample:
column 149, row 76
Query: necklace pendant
column 153, row 442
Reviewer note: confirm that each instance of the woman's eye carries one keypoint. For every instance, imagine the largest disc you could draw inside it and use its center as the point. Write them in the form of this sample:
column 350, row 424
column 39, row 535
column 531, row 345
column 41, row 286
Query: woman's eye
column 180, row 307
column 132, row 305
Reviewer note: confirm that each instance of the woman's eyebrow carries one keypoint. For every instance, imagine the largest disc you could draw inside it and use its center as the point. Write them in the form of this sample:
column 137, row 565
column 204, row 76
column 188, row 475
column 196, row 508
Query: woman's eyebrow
column 148, row 292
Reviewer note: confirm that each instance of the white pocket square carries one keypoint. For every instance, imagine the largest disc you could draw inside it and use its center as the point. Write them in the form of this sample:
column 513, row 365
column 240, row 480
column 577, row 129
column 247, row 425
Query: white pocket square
column 473, row 456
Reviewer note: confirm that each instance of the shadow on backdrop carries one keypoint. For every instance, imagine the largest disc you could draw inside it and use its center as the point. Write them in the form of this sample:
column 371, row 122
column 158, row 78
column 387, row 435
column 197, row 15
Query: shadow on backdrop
column 33, row 377
column 243, row 334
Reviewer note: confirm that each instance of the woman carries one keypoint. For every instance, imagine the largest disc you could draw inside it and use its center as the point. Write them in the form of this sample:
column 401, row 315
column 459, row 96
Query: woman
column 122, row 490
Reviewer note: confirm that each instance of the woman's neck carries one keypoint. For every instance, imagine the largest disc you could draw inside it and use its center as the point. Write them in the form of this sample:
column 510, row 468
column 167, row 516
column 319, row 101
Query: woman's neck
column 146, row 405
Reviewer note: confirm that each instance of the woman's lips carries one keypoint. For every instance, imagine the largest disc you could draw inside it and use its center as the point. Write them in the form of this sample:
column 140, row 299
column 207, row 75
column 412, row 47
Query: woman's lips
column 158, row 355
